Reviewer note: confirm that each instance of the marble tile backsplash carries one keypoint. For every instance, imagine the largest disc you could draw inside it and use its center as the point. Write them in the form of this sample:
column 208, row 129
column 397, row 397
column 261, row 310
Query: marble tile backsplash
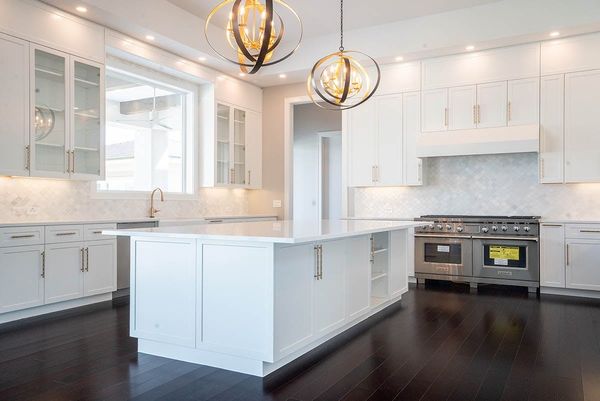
column 23, row 199
column 488, row 185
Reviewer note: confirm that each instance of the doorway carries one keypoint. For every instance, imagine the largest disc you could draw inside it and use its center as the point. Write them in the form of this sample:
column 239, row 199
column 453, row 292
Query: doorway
column 317, row 163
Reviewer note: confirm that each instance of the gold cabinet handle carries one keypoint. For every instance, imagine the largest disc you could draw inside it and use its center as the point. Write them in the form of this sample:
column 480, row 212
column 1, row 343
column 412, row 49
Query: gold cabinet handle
column 43, row 264
column 82, row 259
column 446, row 117
column 509, row 111
column 567, row 255
column 372, row 258
column 22, row 236
column 320, row 262
column 478, row 114
column 474, row 114
column 65, row 234
column 87, row 259
column 27, row 157
column 316, row 248
column 73, row 164
column 249, row 177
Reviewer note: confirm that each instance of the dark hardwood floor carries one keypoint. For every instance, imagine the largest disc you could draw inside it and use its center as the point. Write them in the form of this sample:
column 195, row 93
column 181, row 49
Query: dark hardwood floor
column 439, row 343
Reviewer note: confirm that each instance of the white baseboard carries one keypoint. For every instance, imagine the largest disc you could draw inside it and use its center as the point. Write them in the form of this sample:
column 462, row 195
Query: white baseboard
column 568, row 292
column 57, row 307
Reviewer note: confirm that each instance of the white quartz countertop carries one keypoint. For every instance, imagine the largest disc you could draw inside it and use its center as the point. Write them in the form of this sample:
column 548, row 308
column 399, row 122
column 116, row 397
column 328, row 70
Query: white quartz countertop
column 40, row 222
column 590, row 220
column 283, row 231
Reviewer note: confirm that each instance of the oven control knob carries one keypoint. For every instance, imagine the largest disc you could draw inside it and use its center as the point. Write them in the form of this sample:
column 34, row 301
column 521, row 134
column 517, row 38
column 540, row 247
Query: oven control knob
column 504, row 228
column 431, row 226
column 460, row 229
column 494, row 228
column 526, row 229
column 440, row 227
column 516, row 228
column 484, row 230
column 448, row 227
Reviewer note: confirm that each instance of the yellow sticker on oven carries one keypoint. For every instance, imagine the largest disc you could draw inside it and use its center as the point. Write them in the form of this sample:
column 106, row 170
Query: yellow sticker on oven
column 504, row 252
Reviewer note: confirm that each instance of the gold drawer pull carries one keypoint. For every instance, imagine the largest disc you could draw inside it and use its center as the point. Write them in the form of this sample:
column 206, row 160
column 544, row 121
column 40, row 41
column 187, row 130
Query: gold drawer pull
column 590, row 231
column 64, row 234
column 96, row 232
column 22, row 236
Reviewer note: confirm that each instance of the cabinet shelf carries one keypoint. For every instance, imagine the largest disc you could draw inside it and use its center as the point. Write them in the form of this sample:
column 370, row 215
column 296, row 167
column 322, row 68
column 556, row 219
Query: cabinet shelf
column 83, row 114
column 50, row 145
column 86, row 83
column 49, row 72
column 85, row 149
column 54, row 109
column 378, row 275
column 378, row 251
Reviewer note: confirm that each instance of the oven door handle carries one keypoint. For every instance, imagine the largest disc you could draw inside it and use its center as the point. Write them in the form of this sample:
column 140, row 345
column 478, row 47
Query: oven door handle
column 443, row 236
column 531, row 239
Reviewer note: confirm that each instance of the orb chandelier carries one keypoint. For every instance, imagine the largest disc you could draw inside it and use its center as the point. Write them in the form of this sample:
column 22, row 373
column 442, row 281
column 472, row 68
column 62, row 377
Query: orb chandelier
column 339, row 81
column 254, row 32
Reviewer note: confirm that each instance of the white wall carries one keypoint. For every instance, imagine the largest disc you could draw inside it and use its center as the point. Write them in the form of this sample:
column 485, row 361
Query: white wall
column 309, row 120
column 489, row 184
column 332, row 177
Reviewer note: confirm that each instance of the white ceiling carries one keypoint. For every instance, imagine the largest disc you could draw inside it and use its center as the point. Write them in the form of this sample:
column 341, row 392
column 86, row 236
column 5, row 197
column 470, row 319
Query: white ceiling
column 321, row 17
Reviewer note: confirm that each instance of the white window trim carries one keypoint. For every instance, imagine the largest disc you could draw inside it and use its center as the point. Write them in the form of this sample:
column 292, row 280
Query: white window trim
column 124, row 67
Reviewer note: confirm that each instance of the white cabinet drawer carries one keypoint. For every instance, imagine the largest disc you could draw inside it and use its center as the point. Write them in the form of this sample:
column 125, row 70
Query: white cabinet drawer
column 17, row 236
column 61, row 234
column 583, row 231
column 94, row 232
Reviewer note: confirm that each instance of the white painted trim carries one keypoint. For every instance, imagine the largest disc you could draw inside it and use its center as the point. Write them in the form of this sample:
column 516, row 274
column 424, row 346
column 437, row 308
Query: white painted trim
column 288, row 152
column 322, row 135
column 568, row 292
column 50, row 308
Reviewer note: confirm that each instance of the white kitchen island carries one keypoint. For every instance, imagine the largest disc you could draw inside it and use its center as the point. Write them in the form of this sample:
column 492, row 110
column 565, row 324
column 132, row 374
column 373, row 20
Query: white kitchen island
column 252, row 297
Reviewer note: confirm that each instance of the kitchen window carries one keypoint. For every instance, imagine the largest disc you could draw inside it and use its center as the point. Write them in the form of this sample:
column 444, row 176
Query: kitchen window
column 149, row 132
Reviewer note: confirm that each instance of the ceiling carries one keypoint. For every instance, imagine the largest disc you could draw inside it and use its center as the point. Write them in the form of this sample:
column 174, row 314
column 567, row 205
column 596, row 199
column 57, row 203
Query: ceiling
column 321, row 17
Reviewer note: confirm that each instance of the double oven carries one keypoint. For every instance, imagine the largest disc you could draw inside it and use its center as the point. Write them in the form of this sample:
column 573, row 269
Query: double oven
column 479, row 249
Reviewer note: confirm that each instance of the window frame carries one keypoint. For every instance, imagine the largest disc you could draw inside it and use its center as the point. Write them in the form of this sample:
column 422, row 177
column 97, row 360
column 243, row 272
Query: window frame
column 190, row 140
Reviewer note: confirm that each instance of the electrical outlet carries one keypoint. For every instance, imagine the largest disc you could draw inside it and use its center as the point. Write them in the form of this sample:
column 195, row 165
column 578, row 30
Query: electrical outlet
column 277, row 203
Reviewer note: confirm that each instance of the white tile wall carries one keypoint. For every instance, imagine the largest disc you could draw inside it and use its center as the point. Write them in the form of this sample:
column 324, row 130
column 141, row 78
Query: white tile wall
column 490, row 184
column 37, row 199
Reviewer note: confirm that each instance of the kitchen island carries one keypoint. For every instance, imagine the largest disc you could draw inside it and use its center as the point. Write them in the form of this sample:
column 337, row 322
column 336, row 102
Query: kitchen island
column 252, row 297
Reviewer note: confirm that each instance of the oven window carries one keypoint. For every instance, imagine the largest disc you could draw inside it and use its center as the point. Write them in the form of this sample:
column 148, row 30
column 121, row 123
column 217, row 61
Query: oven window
column 443, row 253
column 505, row 256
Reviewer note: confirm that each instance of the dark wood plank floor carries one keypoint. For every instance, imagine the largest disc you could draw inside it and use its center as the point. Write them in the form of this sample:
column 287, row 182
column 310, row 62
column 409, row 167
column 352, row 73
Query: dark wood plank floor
column 439, row 343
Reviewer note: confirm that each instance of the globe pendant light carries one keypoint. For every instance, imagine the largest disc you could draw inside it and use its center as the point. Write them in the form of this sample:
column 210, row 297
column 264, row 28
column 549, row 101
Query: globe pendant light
column 254, row 32
column 339, row 81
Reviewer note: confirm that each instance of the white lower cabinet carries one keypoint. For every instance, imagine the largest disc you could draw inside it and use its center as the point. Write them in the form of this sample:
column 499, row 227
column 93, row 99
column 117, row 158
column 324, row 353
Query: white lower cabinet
column 47, row 265
column 358, row 278
column 100, row 267
column 21, row 277
column 583, row 264
column 65, row 264
column 570, row 256
column 330, row 288
column 552, row 255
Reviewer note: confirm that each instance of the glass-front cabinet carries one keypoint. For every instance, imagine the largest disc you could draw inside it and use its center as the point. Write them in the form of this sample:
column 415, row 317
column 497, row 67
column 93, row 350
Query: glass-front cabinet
column 231, row 146
column 67, row 116
column 87, row 124
column 50, row 150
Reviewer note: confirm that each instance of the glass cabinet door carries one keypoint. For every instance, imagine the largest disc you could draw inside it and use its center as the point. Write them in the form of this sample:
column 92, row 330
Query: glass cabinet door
column 223, row 144
column 239, row 154
column 87, row 123
column 49, row 122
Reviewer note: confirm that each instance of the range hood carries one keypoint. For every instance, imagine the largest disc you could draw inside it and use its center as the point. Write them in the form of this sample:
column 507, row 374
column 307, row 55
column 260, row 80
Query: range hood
column 482, row 141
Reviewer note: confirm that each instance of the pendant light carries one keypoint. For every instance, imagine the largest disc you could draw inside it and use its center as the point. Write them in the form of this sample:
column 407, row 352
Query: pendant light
column 339, row 81
column 254, row 32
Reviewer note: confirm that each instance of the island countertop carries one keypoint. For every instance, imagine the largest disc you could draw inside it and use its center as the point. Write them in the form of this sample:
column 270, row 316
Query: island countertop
column 283, row 231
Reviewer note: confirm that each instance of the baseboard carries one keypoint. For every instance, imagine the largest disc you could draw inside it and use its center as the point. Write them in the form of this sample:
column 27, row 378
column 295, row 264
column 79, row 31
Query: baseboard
column 568, row 292
column 52, row 311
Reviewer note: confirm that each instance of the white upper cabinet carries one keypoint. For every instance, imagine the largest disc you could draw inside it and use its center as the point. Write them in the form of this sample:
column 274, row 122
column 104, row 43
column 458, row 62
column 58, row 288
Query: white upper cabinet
column 552, row 129
column 362, row 144
column 411, row 127
column 254, row 150
column 50, row 125
column 434, row 110
column 389, row 167
column 577, row 53
column 399, row 78
column 14, row 131
column 495, row 65
column 491, row 105
column 462, row 104
column 582, row 132
column 523, row 101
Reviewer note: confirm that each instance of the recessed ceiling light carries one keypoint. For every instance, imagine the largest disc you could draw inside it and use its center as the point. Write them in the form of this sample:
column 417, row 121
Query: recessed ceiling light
column 81, row 9
column 181, row 62
column 282, row 76
column 470, row 48
column 149, row 37
column 221, row 77
column 241, row 74
column 202, row 58
column 554, row 34
column 399, row 58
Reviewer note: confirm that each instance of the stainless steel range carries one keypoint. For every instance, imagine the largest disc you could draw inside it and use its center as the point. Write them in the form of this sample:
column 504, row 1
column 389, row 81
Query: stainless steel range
column 479, row 249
